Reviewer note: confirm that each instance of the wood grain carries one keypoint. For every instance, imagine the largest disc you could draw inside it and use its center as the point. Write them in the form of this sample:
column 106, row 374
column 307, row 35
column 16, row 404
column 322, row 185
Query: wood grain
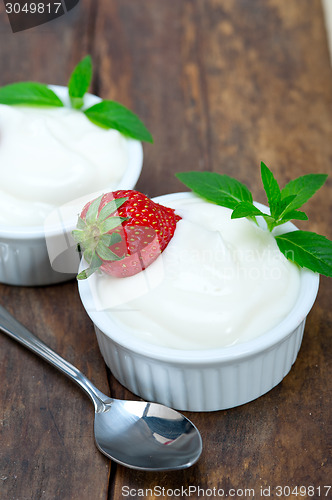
column 222, row 86
column 46, row 421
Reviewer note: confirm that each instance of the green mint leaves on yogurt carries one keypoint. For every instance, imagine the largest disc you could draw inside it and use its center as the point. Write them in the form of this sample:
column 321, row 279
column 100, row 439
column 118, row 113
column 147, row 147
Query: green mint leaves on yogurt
column 106, row 114
column 305, row 248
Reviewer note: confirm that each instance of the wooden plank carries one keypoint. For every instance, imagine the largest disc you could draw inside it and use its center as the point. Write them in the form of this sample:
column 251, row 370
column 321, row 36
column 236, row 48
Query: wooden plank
column 45, row 53
column 148, row 63
column 47, row 443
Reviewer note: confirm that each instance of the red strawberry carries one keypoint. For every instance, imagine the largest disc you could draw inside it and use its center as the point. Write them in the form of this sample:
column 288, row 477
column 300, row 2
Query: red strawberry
column 123, row 232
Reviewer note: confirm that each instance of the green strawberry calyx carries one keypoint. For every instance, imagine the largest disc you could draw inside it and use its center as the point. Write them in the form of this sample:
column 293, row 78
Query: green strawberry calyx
column 94, row 234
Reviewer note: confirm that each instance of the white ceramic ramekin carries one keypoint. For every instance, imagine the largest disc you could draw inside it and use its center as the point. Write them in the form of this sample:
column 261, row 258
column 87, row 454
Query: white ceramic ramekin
column 45, row 255
column 204, row 380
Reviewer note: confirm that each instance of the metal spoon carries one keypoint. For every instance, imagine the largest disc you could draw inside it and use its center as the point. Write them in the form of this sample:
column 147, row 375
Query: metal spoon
column 136, row 434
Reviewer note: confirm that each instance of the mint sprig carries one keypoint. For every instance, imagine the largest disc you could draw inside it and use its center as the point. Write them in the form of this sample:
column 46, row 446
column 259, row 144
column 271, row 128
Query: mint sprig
column 106, row 114
column 307, row 249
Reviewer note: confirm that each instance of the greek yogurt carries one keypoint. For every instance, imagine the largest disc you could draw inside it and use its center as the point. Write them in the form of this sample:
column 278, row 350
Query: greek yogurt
column 50, row 156
column 218, row 283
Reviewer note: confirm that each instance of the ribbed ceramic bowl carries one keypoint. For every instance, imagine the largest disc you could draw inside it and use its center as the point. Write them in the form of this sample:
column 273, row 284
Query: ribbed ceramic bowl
column 44, row 255
column 204, row 380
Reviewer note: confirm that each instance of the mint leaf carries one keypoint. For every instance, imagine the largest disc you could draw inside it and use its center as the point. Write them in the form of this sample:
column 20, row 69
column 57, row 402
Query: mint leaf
column 246, row 209
column 111, row 114
column 292, row 215
column 79, row 82
column 271, row 188
column 220, row 189
column 307, row 249
column 303, row 187
column 29, row 93
column 283, row 205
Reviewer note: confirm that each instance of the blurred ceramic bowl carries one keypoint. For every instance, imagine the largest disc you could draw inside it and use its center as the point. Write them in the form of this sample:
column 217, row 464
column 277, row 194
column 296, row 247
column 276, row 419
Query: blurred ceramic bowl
column 201, row 380
column 45, row 255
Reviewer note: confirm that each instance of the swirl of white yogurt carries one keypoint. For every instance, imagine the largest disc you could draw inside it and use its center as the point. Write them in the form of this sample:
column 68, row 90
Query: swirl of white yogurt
column 50, row 156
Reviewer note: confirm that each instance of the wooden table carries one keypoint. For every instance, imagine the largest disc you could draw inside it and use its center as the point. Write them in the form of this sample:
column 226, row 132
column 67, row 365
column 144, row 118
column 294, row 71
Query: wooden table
column 222, row 85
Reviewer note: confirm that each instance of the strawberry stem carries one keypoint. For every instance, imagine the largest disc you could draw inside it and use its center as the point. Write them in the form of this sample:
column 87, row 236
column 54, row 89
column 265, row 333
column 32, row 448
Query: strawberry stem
column 94, row 236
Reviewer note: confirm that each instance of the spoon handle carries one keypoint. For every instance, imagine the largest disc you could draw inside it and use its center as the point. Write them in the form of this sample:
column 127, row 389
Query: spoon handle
column 12, row 327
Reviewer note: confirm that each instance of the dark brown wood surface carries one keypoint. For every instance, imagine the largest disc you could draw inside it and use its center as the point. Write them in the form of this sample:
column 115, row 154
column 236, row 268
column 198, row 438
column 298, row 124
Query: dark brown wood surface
column 222, row 85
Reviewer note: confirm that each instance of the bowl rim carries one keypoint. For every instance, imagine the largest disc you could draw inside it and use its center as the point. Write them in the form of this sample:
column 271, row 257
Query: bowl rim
column 130, row 177
column 117, row 333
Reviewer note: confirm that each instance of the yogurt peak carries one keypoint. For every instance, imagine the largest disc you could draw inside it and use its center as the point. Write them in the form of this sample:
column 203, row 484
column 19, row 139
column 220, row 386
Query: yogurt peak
column 219, row 282
column 50, row 156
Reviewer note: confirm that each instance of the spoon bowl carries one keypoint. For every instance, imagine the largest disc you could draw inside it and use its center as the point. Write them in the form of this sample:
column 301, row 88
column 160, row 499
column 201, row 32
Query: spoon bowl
column 136, row 434
column 146, row 436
